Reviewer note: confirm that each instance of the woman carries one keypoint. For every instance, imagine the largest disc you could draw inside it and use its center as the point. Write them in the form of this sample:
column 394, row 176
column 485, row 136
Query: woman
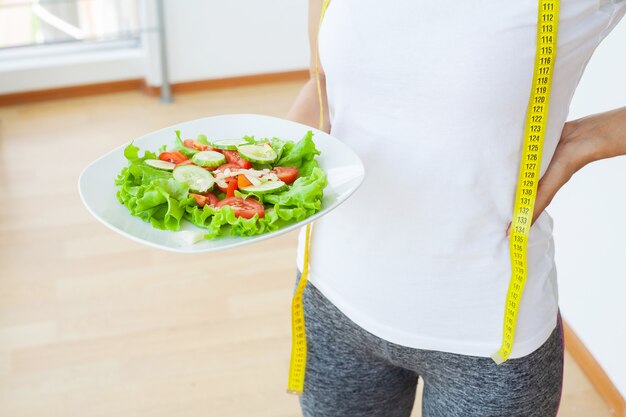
column 408, row 277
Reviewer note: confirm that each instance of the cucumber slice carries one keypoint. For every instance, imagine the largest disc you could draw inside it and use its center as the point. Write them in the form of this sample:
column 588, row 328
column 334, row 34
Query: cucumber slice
column 260, row 154
column 265, row 188
column 157, row 163
column 208, row 159
column 228, row 144
column 198, row 179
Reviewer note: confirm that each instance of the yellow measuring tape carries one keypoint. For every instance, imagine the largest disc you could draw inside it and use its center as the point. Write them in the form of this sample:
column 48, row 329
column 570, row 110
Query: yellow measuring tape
column 530, row 164
column 297, row 364
column 536, row 120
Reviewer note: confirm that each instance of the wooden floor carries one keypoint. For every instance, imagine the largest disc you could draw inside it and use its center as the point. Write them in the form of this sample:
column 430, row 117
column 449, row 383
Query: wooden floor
column 93, row 324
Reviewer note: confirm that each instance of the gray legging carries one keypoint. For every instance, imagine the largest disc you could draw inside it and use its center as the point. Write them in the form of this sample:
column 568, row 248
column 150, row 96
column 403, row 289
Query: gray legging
column 352, row 373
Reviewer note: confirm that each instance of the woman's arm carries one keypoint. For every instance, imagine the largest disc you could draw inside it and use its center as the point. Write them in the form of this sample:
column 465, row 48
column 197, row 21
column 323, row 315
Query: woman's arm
column 305, row 108
column 585, row 140
column 598, row 136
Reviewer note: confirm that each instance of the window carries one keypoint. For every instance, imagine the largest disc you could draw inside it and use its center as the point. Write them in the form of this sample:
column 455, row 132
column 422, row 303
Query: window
column 28, row 23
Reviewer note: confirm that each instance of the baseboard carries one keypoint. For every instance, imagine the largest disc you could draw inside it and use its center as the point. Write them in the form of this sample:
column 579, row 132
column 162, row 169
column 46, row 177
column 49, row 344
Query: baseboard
column 229, row 82
column 599, row 379
column 69, row 92
column 140, row 84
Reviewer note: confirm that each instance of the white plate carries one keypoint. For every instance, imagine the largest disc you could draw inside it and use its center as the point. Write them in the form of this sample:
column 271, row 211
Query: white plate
column 97, row 188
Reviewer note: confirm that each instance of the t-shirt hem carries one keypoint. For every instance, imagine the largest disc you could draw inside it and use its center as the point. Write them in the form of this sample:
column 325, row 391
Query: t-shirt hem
column 520, row 348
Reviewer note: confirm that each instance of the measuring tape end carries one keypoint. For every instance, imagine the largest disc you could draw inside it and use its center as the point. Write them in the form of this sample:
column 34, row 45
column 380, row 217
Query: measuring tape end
column 294, row 391
column 497, row 358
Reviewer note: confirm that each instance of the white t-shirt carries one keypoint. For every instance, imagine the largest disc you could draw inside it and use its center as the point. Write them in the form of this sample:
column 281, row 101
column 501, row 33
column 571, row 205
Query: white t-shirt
column 432, row 96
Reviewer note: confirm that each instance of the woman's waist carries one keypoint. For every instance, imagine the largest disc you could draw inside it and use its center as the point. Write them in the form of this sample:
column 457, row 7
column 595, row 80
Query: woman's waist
column 436, row 238
column 418, row 213
column 382, row 263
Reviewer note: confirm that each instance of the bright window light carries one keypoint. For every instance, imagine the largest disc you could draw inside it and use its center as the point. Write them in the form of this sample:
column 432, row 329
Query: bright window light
column 26, row 23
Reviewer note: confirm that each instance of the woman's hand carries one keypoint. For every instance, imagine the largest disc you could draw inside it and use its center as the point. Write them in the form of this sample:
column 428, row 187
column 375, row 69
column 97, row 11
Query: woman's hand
column 582, row 141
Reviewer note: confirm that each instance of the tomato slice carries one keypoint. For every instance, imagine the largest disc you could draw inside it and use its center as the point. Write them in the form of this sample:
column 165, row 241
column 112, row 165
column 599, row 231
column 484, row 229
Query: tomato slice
column 180, row 155
column 228, row 181
column 189, row 143
column 232, row 157
column 232, row 186
column 186, row 162
column 205, row 198
column 286, row 174
column 243, row 208
column 212, row 199
column 199, row 146
column 175, row 157
column 245, row 164
column 227, row 165
column 200, row 199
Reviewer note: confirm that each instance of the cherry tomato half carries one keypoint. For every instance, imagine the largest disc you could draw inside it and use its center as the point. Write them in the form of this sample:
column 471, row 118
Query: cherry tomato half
column 199, row 146
column 229, row 166
column 232, row 157
column 175, row 157
column 232, row 186
column 212, row 199
column 204, row 199
column 186, row 162
column 286, row 174
column 243, row 208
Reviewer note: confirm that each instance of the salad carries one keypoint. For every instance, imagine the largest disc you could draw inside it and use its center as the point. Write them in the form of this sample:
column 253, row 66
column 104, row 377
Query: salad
column 236, row 186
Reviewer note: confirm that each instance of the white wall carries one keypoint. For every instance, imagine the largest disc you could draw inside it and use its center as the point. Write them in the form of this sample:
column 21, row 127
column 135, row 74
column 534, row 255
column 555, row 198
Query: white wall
column 215, row 39
column 41, row 73
column 590, row 223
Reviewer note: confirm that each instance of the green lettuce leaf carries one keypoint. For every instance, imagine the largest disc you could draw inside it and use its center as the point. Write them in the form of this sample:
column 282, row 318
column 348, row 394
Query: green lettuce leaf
column 149, row 193
column 222, row 221
column 259, row 197
column 307, row 167
column 163, row 203
column 294, row 155
column 305, row 192
column 131, row 152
